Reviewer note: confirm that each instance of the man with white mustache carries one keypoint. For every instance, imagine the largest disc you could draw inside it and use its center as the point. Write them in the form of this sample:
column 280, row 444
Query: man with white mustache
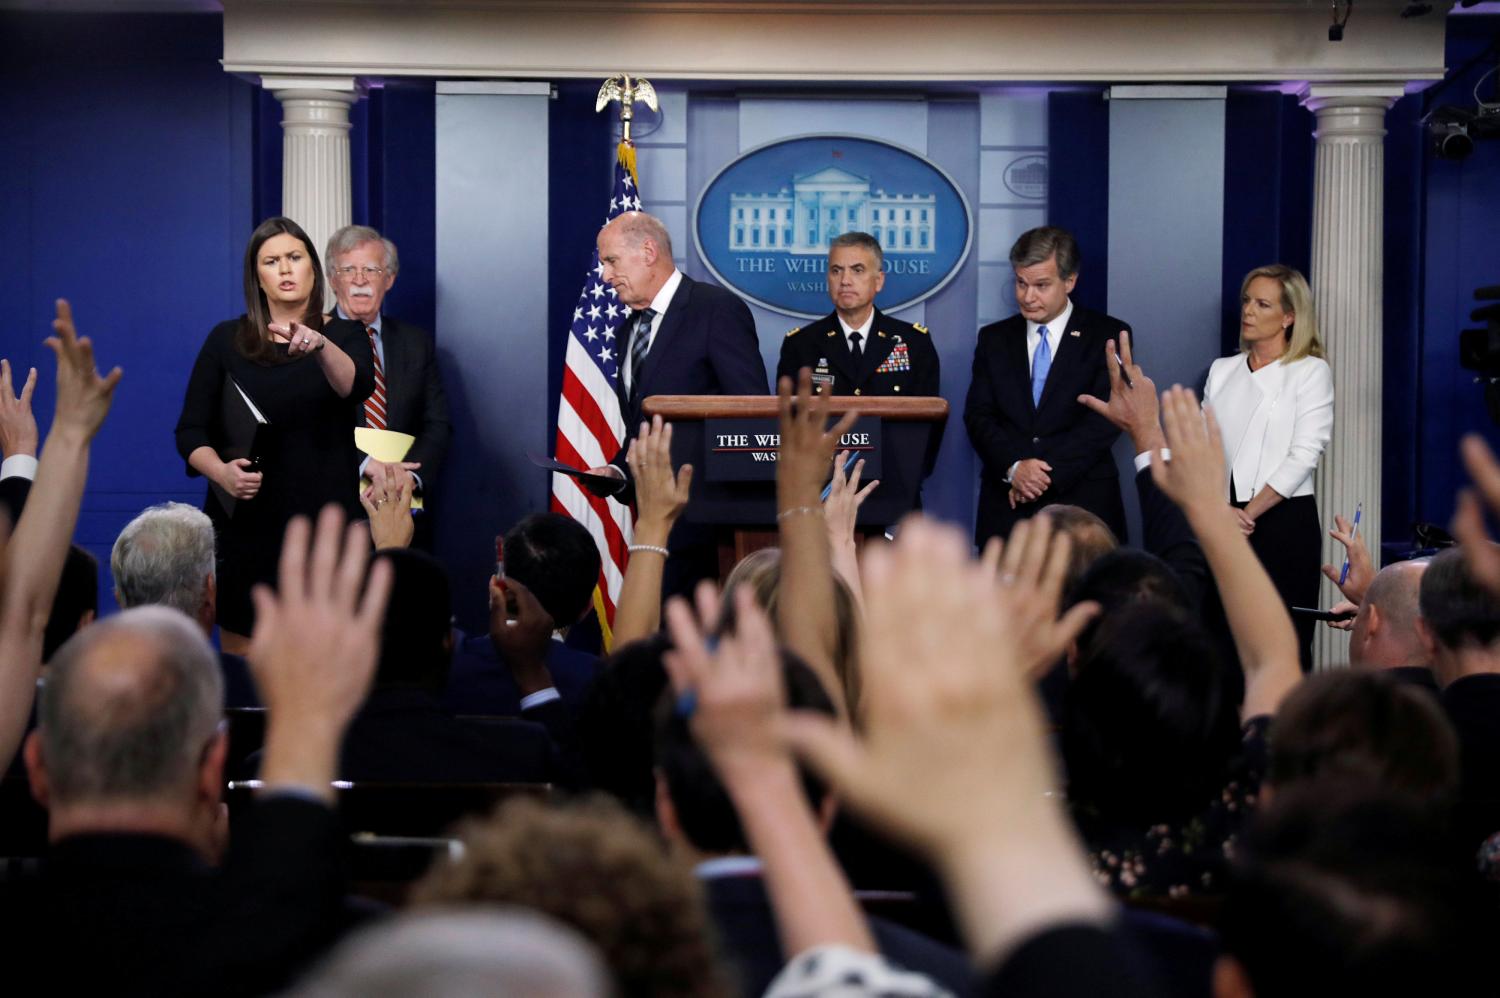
column 408, row 396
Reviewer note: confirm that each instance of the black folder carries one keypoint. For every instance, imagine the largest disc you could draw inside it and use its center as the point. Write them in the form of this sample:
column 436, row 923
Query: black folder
column 245, row 433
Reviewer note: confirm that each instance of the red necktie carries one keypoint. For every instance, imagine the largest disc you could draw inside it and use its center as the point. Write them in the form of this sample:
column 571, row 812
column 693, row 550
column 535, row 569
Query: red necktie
column 375, row 404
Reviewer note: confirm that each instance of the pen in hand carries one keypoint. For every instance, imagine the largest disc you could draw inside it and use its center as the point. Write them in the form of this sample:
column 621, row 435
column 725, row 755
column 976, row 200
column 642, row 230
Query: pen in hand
column 1359, row 508
column 828, row 489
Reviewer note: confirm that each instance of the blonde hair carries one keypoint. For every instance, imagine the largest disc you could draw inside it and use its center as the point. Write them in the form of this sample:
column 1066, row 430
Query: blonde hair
column 1296, row 298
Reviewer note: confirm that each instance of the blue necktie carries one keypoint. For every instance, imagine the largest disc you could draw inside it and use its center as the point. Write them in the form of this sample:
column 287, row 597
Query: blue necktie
column 1040, row 365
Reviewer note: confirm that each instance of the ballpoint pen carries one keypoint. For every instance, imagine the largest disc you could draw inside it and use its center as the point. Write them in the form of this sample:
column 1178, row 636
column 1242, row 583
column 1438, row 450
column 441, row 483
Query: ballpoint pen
column 828, row 489
column 1359, row 508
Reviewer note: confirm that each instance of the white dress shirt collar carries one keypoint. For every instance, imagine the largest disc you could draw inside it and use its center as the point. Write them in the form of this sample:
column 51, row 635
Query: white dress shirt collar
column 659, row 305
column 863, row 329
column 1055, row 330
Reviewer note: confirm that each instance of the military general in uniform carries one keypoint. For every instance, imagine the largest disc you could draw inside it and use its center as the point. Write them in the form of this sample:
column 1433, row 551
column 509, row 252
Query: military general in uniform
column 857, row 350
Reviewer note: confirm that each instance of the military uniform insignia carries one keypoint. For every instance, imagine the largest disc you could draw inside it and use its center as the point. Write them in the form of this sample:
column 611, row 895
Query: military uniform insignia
column 919, row 328
column 794, row 332
column 896, row 362
column 821, row 375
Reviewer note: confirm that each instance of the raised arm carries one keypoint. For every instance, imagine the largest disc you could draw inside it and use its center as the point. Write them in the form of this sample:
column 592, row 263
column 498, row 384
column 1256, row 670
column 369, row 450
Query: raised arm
column 806, row 611
column 841, row 515
column 660, row 498
column 1194, row 479
column 33, row 559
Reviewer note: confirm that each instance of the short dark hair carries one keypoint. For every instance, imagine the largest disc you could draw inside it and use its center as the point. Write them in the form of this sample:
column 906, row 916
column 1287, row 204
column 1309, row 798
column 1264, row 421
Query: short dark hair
column 77, row 593
column 1346, row 888
column 704, row 809
column 251, row 338
column 858, row 240
column 414, row 646
column 1457, row 610
column 1365, row 726
column 1040, row 244
column 1150, row 724
column 556, row 558
column 616, row 723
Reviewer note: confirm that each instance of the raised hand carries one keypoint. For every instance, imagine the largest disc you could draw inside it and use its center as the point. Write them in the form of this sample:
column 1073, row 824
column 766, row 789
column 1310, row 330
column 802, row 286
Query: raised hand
column 841, row 510
column 807, row 443
column 315, row 645
column 1194, row 477
column 83, row 397
column 1031, row 566
column 1131, row 407
column 1361, row 567
column 520, row 630
column 1480, row 553
column 660, row 495
column 18, row 433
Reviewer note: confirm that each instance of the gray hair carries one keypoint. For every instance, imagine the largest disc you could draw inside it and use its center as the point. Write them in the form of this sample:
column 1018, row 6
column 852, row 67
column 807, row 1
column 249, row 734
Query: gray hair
column 128, row 706
column 858, row 240
column 461, row 954
column 351, row 237
column 164, row 557
column 637, row 227
column 1040, row 244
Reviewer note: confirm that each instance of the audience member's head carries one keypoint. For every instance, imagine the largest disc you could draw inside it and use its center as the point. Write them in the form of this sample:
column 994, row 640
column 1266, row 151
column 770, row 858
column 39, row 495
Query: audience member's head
column 165, row 557
column 461, row 954
column 127, row 735
column 616, row 724
column 416, row 636
column 1365, row 727
column 761, row 571
column 77, row 601
column 1387, row 630
column 1092, row 539
column 692, row 807
column 597, row 869
column 1343, row 889
column 1150, row 724
column 1460, row 618
column 556, row 558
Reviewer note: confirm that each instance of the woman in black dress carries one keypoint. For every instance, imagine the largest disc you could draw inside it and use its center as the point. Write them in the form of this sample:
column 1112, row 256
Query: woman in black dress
column 308, row 375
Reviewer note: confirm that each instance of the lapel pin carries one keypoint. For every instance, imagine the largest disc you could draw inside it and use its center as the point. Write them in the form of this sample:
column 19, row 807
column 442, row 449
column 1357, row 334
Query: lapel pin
column 1074, row 332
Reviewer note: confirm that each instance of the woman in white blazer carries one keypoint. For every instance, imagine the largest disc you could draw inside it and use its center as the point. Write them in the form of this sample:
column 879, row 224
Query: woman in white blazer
column 1274, row 403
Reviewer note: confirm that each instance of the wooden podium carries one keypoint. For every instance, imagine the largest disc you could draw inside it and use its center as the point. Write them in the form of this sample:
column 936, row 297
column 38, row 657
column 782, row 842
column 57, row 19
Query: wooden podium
column 742, row 514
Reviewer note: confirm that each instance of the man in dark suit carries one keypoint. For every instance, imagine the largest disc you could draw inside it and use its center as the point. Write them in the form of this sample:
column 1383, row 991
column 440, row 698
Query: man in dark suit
column 858, row 350
column 1038, row 445
column 138, row 895
column 683, row 337
column 408, row 398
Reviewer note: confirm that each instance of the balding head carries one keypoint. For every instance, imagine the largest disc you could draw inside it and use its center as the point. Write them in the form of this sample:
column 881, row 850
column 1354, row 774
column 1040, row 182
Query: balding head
column 129, row 707
column 636, row 254
column 1387, row 631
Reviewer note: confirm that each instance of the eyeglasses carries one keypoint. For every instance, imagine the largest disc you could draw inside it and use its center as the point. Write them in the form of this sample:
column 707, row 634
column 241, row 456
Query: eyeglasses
column 370, row 273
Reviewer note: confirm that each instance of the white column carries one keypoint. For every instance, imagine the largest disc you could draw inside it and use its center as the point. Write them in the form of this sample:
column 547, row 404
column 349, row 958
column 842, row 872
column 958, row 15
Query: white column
column 315, row 189
column 1347, row 265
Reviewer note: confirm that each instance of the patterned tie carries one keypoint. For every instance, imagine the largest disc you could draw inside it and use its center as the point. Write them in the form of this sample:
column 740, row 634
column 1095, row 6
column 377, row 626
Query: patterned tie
column 855, row 347
column 640, row 345
column 375, row 404
column 1040, row 365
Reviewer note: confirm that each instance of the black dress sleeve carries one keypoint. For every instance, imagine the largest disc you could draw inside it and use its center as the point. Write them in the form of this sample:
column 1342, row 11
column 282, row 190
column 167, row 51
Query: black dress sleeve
column 201, row 402
column 350, row 337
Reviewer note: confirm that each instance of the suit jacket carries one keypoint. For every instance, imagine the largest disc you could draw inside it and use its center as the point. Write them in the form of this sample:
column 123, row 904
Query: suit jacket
column 144, row 915
column 1065, row 960
column 415, row 402
column 899, row 359
column 1005, row 426
column 1275, row 422
column 13, row 493
column 706, row 346
column 742, row 912
column 479, row 681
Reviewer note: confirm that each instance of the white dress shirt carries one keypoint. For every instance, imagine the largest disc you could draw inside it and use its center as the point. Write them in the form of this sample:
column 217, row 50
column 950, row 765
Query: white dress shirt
column 863, row 329
column 659, row 305
column 1275, row 422
column 1055, row 330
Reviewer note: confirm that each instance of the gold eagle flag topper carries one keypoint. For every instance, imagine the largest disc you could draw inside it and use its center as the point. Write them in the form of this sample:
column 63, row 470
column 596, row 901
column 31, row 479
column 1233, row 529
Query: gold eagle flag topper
column 620, row 88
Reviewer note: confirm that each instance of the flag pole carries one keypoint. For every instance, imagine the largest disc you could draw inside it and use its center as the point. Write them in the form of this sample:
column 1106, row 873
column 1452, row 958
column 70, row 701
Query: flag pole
column 627, row 93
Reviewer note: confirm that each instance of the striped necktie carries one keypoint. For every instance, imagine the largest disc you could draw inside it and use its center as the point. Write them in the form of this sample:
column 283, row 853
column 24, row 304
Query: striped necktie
column 375, row 404
column 640, row 345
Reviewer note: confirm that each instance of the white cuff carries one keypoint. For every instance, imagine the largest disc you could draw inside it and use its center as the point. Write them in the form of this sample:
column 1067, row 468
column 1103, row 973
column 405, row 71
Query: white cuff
column 1010, row 472
column 18, row 466
column 540, row 697
column 1143, row 459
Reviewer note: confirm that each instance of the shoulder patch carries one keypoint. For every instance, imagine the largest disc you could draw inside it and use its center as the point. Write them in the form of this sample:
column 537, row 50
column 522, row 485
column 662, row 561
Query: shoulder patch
column 794, row 332
column 919, row 328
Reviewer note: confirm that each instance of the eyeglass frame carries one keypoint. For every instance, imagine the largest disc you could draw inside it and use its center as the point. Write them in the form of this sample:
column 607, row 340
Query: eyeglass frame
column 369, row 273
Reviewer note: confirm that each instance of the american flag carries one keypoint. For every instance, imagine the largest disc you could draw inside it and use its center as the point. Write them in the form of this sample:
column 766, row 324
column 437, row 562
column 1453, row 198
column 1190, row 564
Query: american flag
column 590, row 428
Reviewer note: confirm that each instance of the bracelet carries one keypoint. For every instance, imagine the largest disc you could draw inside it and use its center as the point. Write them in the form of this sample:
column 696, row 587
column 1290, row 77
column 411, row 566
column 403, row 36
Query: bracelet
column 655, row 548
column 799, row 511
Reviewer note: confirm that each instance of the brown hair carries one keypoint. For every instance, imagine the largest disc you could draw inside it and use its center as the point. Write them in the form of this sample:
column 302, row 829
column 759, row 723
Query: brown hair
column 252, row 339
column 592, row 865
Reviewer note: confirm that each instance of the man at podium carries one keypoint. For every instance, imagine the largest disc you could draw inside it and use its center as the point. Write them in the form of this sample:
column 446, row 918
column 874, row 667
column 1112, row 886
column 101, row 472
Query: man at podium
column 858, row 350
